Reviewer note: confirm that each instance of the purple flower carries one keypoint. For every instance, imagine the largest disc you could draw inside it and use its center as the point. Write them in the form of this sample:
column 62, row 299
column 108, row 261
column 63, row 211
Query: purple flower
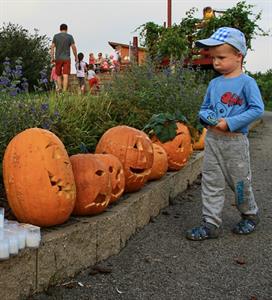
column 44, row 106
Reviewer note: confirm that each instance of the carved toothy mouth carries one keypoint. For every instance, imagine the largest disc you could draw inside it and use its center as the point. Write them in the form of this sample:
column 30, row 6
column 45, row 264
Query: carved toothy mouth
column 59, row 187
column 100, row 200
column 115, row 191
column 137, row 171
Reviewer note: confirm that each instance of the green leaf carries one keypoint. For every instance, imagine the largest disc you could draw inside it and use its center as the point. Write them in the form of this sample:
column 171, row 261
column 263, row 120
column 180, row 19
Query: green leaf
column 180, row 117
column 167, row 133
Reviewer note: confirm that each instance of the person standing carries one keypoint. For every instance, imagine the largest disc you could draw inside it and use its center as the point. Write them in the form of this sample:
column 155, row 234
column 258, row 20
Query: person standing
column 81, row 70
column 93, row 80
column 233, row 101
column 60, row 52
column 53, row 76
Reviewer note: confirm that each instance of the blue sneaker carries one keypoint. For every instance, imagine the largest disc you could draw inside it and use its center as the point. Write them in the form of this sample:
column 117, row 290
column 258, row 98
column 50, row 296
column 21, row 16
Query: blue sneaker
column 247, row 224
column 203, row 232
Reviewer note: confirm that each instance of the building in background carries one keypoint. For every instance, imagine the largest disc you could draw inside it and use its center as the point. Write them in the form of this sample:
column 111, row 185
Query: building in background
column 128, row 52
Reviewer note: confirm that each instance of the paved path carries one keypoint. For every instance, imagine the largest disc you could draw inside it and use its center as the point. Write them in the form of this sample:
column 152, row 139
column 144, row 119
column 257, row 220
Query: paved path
column 158, row 263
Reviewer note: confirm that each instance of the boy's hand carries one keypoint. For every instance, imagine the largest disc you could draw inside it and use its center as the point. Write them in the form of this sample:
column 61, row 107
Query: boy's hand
column 222, row 125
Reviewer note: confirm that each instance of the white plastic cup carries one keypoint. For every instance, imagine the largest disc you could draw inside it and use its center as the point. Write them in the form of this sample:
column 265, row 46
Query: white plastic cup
column 33, row 236
column 21, row 232
column 4, row 249
column 13, row 241
column 2, row 215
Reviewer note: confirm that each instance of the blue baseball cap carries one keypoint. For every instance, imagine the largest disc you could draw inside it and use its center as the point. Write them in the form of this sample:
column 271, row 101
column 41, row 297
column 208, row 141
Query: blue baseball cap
column 225, row 35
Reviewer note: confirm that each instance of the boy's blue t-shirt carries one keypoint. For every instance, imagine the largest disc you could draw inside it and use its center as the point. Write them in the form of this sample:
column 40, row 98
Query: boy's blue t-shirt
column 238, row 100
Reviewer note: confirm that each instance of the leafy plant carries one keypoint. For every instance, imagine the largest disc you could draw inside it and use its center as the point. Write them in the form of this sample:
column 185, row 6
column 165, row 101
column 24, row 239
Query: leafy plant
column 165, row 42
column 264, row 81
column 12, row 81
column 141, row 91
column 33, row 49
column 164, row 125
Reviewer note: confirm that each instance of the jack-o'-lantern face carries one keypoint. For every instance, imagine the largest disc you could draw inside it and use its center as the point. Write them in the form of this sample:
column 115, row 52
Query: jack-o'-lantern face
column 117, row 175
column 92, row 184
column 160, row 163
column 179, row 149
column 59, row 181
column 134, row 150
column 38, row 178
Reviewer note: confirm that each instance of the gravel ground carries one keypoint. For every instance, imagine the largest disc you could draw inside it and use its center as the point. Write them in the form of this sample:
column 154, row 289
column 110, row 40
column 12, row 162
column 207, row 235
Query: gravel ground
column 159, row 263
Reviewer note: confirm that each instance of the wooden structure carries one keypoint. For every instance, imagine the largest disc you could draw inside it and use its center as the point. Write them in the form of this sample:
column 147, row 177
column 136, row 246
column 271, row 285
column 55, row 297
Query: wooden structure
column 200, row 59
column 127, row 52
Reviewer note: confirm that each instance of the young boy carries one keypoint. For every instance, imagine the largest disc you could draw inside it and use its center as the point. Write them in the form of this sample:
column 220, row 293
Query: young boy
column 231, row 103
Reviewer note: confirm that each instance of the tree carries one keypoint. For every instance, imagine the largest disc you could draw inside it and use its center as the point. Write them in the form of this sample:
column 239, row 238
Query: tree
column 33, row 49
column 177, row 41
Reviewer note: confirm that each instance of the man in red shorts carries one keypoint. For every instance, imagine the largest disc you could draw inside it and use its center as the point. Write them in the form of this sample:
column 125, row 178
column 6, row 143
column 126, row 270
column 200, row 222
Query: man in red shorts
column 60, row 52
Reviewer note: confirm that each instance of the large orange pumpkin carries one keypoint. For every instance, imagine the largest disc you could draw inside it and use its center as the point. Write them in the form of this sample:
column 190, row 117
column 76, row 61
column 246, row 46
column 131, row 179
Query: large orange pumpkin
column 199, row 143
column 160, row 163
column 92, row 183
column 134, row 149
column 179, row 149
column 38, row 178
column 117, row 175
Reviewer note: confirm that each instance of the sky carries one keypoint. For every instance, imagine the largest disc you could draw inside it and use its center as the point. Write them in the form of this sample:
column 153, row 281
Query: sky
column 95, row 22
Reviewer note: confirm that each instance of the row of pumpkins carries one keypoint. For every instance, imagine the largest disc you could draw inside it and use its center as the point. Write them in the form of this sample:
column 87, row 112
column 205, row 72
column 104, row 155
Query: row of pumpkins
column 44, row 186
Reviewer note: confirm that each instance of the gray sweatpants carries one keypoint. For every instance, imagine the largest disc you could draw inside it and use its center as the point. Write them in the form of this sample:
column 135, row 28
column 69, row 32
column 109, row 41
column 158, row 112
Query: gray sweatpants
column 226, row 159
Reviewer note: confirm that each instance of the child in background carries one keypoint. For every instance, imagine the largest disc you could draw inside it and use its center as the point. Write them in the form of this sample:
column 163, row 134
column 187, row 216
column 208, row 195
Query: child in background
column 54, row 76
column 81, row 70
column 92, row 60
column 93, row 80
column 231, row 103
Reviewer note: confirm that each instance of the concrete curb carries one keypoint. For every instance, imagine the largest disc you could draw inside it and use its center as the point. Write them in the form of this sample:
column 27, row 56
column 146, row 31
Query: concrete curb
column 83, row 242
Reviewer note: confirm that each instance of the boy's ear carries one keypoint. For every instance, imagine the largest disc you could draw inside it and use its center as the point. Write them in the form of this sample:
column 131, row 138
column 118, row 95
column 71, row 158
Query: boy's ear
column 240, row 54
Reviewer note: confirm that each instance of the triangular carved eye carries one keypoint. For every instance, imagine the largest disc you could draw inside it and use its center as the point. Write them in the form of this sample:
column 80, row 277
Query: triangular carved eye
column 138, row 145
column 110, row 169
column 181, row 147
column 99, row 172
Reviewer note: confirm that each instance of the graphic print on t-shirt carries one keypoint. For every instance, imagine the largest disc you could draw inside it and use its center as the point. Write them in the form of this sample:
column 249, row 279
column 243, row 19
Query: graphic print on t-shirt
column 228, row 99
column 231, row 99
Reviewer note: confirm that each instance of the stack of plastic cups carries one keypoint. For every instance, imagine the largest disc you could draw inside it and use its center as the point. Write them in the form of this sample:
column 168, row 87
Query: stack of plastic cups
column 4, row 242
column 16, row 236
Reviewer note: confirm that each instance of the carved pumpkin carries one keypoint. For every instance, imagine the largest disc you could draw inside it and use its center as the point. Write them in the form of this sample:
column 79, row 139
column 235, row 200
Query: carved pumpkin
column 179, row 149
column 38, row 178
column 200, row 140
column 134, row 149
column 93, row 184
column 117, row 175
column 160, row 163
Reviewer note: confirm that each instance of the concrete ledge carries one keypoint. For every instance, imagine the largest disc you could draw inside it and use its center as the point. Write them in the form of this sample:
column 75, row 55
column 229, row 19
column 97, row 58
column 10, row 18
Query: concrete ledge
column 82, row 242
column 18, row 275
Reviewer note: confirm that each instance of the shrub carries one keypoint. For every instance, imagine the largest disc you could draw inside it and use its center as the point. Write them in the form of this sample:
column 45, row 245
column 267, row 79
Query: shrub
column 32, row 48
column 264, row 81
column 12, row 81
column 142, row 91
